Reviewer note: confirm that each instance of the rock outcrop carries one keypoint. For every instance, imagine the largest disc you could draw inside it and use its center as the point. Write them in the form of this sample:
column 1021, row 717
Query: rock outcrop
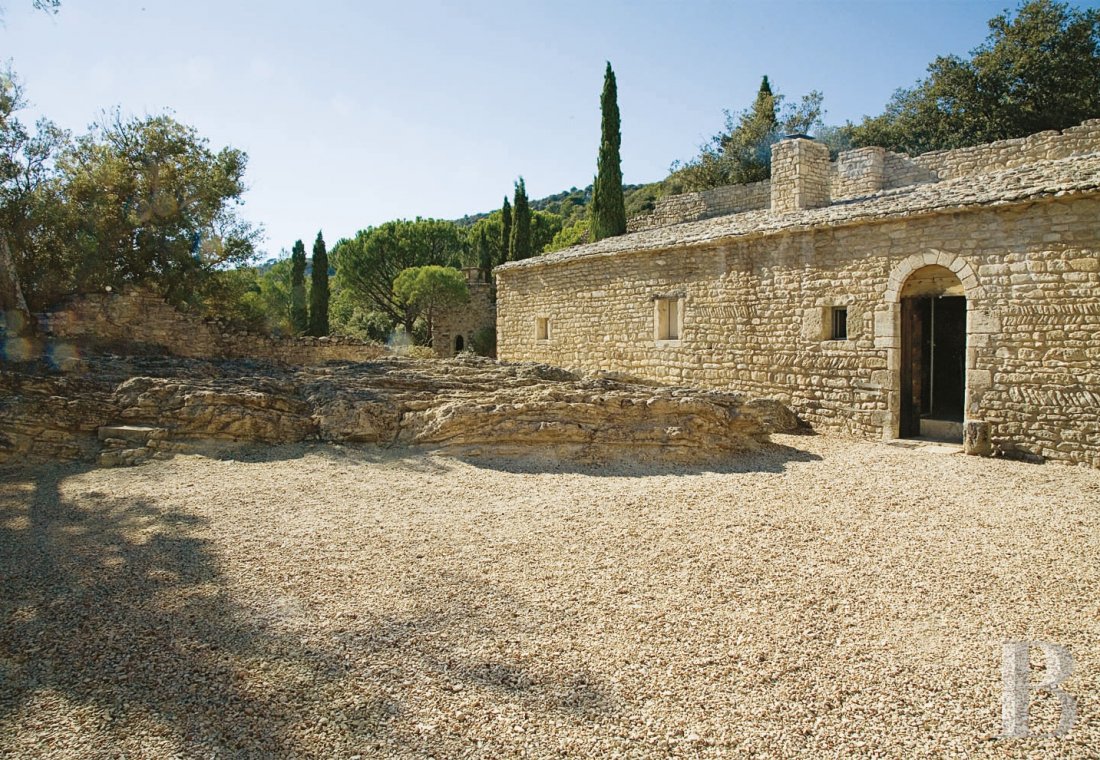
column 127, row 410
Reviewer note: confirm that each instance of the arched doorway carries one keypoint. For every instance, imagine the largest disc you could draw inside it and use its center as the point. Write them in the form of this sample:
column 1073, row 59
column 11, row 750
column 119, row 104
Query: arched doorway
column 459, row 344
column 933, row 355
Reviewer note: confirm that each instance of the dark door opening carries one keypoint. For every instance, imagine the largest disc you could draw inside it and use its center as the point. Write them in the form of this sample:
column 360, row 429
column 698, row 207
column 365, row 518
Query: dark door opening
column 459, row 344
column 933, row 367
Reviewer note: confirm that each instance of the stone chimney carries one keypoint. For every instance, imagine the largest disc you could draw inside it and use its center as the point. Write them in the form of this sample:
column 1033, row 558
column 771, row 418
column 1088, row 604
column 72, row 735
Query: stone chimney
column 800, row 174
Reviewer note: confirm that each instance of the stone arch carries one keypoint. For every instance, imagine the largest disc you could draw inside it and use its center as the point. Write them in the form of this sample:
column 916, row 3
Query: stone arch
column 888, row 328
column 908, row 266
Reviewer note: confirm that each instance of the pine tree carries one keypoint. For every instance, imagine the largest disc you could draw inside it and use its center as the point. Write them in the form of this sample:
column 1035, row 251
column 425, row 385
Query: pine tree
column 299, row 315
column 520, row 247
column 318, row 292
column 506, row 230
column 608, row 211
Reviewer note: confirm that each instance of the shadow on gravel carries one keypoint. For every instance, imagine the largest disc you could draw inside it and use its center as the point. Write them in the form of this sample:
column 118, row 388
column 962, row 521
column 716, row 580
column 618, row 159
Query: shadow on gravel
column 770, row 457
column 118, row 624
column 476, row 650
column 351, row 454
column 115, row 604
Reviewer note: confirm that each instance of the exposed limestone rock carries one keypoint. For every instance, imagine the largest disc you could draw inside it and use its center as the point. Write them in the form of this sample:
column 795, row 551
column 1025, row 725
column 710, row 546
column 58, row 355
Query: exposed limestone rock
column 472, row 405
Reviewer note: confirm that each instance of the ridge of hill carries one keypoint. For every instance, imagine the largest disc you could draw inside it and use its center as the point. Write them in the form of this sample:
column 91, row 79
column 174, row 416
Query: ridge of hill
column 572, row 204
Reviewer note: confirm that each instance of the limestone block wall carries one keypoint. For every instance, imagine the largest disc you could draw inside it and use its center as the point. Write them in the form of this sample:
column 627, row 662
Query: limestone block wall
column 857, row 173
column 863, row 171
column 466, row 320
column 901, row 170
column 144, row 321
column 800, row 175
column 1008, row 154
column 690, row 207
column 753, row 311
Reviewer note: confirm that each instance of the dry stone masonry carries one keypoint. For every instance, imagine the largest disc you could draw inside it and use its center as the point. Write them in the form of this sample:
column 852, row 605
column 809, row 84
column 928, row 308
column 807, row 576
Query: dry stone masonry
column 457, row 329
column 139, row 320
column 827, row 299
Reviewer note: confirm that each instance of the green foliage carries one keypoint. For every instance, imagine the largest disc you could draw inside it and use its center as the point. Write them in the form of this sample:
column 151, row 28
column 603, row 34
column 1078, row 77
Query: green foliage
column 425, row 290
column 607, row 214
column 520, row 243
column 319, row 290
column 571, row 205
column 505, row 231
column 484, row 342
column 368, row 264
column 742, row 152
column 484, row 239
column 1038, row 69
column 544, row 228
column 256, row 298
column 27, row 197
column 642, row 199
column 349, row 317
column 149, row 202
column 483, row 252
column 299, row 314
column 234, row 294
column 574, row 234
column 134, row 201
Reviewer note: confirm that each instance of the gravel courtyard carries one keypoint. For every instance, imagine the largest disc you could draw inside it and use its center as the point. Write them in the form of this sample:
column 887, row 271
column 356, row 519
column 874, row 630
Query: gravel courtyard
column 819, row 598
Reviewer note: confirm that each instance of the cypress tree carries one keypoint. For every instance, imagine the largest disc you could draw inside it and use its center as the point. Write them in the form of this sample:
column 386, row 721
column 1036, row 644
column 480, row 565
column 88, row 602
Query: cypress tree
column 748, row 149
column 505, row 230
column 608, row 211
column 521, row 225
column 484, row 255
column 318, row 292
column 299, row 316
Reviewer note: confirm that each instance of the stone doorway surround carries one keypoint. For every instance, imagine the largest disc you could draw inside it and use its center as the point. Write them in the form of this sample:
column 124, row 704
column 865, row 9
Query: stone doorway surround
column 980, row 325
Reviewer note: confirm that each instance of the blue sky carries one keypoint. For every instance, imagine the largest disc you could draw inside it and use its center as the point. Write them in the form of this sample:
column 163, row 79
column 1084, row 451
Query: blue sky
column 354, row 113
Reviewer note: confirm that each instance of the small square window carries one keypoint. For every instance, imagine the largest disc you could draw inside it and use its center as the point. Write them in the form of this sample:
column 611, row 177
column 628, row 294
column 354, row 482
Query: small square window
column 542, row 328
column 839, row 330
column 668, row 318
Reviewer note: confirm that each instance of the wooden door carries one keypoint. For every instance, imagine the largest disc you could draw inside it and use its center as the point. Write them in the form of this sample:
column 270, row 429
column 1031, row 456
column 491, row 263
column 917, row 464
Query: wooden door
column 912, row 325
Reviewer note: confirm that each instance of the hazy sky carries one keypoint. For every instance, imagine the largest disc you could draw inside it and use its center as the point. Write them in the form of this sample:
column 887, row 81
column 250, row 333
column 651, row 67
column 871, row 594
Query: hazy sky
column 354, row 113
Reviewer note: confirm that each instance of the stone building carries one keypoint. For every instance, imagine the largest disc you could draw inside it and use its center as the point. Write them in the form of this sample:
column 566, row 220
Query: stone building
column 878, row 295
column 461, row 328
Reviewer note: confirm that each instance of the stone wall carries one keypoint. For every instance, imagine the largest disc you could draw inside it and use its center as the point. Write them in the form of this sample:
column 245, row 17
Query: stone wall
column 465, row 321
column 857, row 173
column 753, row 310
column 863, row 171
column 800, row 175
column 142, row 321
column 1009, row 154
column 689, row 207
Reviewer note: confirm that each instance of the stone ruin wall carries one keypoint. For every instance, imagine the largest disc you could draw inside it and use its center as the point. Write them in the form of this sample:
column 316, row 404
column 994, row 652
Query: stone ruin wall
column 143, row 321
column 467, row 320
column 754, row 311
column 690, row 207
column 1009, row 154
column 864, row 171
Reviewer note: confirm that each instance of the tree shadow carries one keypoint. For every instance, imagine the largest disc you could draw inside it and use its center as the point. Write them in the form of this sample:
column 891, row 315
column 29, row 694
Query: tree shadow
column 634, row 463
column 479, row 660
column 118, row 621
column 117, row 605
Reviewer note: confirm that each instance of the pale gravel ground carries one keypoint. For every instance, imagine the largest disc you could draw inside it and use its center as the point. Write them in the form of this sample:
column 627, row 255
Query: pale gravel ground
column 822, row 598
